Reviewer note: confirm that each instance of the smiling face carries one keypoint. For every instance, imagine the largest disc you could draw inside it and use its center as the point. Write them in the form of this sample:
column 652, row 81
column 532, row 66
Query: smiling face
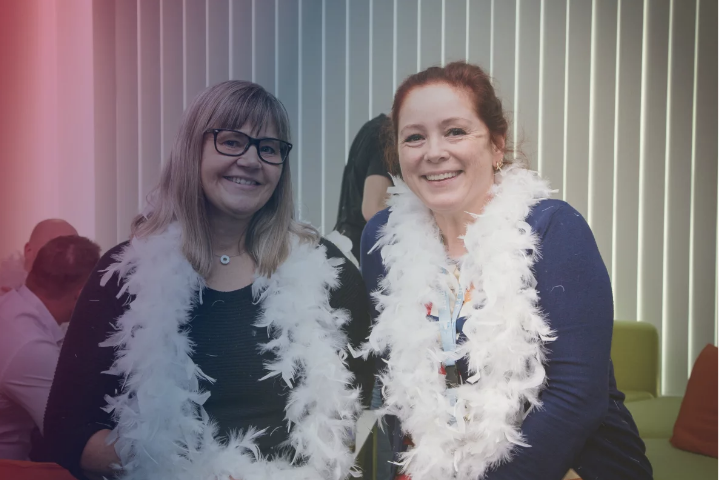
column 237, row 187
column 445, row 150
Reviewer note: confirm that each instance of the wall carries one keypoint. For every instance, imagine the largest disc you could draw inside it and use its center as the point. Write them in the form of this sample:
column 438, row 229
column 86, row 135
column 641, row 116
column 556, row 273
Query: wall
column 47, row 164
column 614, row 101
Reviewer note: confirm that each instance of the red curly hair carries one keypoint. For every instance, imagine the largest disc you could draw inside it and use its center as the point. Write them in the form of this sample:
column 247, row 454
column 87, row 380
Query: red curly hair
column 465, row 76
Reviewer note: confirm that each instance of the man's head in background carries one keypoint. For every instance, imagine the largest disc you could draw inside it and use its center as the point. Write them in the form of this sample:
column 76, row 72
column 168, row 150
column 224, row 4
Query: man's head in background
column 59, row 272
column 43, row 233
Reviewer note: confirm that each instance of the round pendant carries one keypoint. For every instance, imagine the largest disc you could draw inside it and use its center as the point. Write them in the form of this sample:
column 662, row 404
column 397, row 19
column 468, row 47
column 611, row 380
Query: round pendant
column 224, row 259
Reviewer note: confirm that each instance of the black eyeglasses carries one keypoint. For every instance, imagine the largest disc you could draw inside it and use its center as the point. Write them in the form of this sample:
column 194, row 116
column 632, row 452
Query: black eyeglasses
column 233, row 144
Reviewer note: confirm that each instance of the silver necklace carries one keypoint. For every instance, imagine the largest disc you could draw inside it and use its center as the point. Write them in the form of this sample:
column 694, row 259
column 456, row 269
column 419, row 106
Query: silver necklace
column 225, row 259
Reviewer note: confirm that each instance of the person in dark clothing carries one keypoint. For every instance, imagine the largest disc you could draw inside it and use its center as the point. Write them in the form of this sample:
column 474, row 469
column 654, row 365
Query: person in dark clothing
column 494, row 308
column 213, row 344
column 364, row 192
column 364, row 182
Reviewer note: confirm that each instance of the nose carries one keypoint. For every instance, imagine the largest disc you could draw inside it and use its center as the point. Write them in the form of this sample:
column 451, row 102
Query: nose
column 436, row 151
column 250, row 159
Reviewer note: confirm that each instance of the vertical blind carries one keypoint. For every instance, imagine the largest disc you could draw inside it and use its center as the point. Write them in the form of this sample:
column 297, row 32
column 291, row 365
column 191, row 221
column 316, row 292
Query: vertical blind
column 614, row 101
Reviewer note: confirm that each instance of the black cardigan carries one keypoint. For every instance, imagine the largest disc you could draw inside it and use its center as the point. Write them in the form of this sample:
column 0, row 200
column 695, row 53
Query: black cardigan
column 226, row 350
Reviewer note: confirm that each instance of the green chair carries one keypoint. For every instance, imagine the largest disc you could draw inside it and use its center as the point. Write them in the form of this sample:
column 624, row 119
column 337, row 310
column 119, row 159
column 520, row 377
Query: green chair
column 635, row 354
column 366, row 447
column 655, row 417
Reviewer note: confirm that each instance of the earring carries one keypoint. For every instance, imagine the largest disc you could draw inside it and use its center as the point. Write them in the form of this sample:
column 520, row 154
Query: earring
column 498, row 167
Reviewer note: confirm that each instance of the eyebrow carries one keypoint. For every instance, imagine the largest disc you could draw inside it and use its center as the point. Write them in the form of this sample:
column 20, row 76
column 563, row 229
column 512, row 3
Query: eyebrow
column 442, row 123
column 414, row 125
column 453, row 119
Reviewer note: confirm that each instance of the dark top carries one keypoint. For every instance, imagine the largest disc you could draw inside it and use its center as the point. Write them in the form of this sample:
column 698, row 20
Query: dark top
column 366, row 157
column 584, row 424
column 226, row 350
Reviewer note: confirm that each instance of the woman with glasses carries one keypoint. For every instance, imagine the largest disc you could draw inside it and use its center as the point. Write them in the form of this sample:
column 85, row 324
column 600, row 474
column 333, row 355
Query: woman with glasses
column 213, row 343
column 495, row 308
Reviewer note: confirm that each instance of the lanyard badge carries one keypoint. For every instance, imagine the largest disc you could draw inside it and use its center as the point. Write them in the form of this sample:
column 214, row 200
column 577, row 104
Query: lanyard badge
column 448, row 333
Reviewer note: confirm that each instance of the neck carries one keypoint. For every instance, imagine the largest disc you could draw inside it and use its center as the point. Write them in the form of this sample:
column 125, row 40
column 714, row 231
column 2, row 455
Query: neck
column 452, row 227
column 58, row 312
column 228, row 234
column 57, row 308
column 454, row 224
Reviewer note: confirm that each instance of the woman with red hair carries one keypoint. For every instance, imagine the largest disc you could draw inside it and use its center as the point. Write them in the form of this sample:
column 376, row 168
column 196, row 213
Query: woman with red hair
column 494, row 308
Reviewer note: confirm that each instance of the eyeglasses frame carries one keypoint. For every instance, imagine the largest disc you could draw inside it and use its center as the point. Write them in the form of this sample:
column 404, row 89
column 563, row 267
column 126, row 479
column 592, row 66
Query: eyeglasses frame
column 253, row 141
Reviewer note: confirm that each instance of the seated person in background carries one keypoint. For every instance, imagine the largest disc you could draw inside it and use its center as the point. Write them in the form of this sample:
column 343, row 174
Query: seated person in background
column 364, row 182
column 30, row 318
column 14, row 268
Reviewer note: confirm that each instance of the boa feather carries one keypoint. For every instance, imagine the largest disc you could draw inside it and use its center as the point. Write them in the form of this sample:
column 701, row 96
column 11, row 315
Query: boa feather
column 162, row 428
column 505, row 331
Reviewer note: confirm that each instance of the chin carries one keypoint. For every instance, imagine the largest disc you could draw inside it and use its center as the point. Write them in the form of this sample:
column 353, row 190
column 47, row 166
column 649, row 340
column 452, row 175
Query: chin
column 443, row 209
column 236, row 211
column 445, row 204
column 242, row 213
column 243, row 205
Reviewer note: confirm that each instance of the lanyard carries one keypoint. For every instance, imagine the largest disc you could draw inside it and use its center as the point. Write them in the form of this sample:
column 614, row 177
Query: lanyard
column 448, row 323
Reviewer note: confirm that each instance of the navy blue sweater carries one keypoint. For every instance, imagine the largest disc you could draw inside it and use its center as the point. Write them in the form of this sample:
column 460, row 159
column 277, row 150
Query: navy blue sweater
column 584, row 424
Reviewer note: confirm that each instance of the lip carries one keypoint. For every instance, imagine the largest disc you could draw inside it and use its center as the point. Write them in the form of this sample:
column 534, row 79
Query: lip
column 444, row 181
column 229, row 178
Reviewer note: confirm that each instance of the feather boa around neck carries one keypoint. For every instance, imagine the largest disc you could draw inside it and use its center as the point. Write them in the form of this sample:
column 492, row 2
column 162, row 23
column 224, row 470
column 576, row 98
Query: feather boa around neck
column 505, row 331
column 163, row 432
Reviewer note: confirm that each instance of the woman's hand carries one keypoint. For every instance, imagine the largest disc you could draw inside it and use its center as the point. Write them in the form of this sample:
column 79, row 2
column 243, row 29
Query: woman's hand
column 572, row 475
column 97, row 456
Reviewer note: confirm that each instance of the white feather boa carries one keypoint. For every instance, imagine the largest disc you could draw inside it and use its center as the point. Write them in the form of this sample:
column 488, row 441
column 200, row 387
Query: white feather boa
column 505, row 332
column 162, row 430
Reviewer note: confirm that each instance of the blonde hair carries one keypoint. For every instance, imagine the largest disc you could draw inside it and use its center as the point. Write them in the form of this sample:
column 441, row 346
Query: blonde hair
column 179, row 195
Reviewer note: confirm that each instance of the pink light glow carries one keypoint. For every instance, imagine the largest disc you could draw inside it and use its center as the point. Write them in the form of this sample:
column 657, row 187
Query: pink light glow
column 46, row 117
